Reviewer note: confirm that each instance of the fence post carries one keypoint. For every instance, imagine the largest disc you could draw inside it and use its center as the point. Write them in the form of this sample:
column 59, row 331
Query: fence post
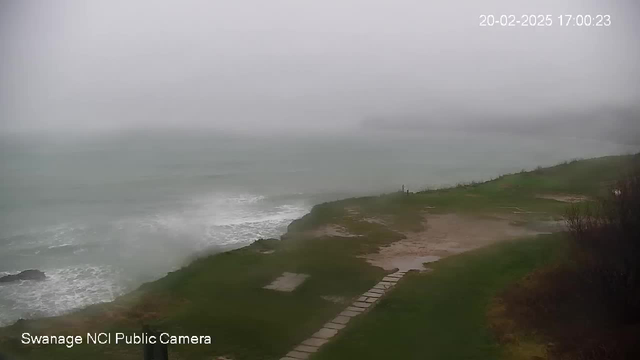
column 155, row 351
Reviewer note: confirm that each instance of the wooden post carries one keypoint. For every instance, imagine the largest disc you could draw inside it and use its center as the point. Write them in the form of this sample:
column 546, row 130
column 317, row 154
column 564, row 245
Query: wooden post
column 155, row 351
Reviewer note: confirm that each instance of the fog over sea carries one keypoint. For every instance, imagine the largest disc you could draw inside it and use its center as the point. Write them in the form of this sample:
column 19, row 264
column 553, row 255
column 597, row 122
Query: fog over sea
column 103, row 214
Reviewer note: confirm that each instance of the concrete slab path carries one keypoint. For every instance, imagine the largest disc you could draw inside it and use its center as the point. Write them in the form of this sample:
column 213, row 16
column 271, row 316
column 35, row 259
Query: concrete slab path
column 331, row 329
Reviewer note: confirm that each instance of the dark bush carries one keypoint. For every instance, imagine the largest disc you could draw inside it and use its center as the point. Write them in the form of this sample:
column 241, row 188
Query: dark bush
column 606, row 236
column 585, row 306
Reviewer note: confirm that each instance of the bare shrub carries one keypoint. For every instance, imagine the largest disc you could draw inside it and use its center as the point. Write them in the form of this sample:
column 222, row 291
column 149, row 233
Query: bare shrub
column 606, row 238
column 587, row 306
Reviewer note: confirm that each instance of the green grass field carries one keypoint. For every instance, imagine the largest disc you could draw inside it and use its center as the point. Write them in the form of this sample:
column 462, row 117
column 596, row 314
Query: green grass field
column 438, row 315
column 442, row 314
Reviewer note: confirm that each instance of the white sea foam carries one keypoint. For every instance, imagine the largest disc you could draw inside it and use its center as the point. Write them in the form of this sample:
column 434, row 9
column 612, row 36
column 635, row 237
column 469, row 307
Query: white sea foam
column 226, row 219
column 64, row 289
column 161, row 241
column 52, row 236
column 239, row 223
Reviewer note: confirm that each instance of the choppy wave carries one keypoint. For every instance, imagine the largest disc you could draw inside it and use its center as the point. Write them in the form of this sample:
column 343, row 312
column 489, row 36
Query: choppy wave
column 64, row 289
column 52, row 236
column 91, row 263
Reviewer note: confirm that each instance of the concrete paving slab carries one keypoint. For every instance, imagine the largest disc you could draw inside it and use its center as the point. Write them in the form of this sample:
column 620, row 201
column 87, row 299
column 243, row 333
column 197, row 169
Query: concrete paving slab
column 287, row 282
column 314, row 342
column 298, row 355
column 376, row 291
column 334, row 326
column 341, row 319
column 350, row 313
column 325, row 333
column 306, row 348
column 361, row 304
column 353, row 308
column 330, row 329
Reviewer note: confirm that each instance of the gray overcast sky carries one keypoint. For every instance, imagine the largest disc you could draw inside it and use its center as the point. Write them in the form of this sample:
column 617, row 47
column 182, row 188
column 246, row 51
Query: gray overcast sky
column 299, row 64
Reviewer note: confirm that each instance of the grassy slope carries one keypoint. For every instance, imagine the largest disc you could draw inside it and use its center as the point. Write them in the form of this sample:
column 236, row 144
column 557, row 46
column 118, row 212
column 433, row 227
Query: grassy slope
column 222, row 295
column 441, row 315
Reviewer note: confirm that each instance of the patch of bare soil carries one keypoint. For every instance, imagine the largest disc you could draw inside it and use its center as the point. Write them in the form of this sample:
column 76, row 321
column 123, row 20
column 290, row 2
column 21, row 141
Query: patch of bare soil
column 445, row 235
column 352, row 211
column 335, row 299
column 375, row 220
column 566, row 198
column 332, row 230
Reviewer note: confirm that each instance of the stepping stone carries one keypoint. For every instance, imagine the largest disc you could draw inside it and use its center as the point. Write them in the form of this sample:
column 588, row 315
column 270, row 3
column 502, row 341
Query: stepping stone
column 372, row 300
column 361, row 304
column 314, row 342
column 324, row 333
column 381, row 287
column 349, row 313
column 396, row 275
column 298, row 355
column 287, row 358
column 362, row 298
column 334, row 326
column 341, row 319
column 353, row 308
column 376, row 291
column 306, row 348
column 386, row 283
column 374, row 295
column 389, row 279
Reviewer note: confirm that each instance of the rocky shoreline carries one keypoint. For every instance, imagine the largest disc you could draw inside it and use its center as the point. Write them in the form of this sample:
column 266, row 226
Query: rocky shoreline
column 31, row 274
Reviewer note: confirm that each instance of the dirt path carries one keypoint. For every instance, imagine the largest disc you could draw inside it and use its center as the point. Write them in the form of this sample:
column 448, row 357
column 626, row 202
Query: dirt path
column 445, row 235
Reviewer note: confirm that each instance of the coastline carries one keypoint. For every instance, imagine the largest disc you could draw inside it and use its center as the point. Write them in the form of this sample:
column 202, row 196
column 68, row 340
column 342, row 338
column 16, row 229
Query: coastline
column 219, row 249
column 221, row 295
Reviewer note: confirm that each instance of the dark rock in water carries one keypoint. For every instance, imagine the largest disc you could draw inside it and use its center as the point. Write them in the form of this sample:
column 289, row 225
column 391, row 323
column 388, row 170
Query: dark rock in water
column 24, row 275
